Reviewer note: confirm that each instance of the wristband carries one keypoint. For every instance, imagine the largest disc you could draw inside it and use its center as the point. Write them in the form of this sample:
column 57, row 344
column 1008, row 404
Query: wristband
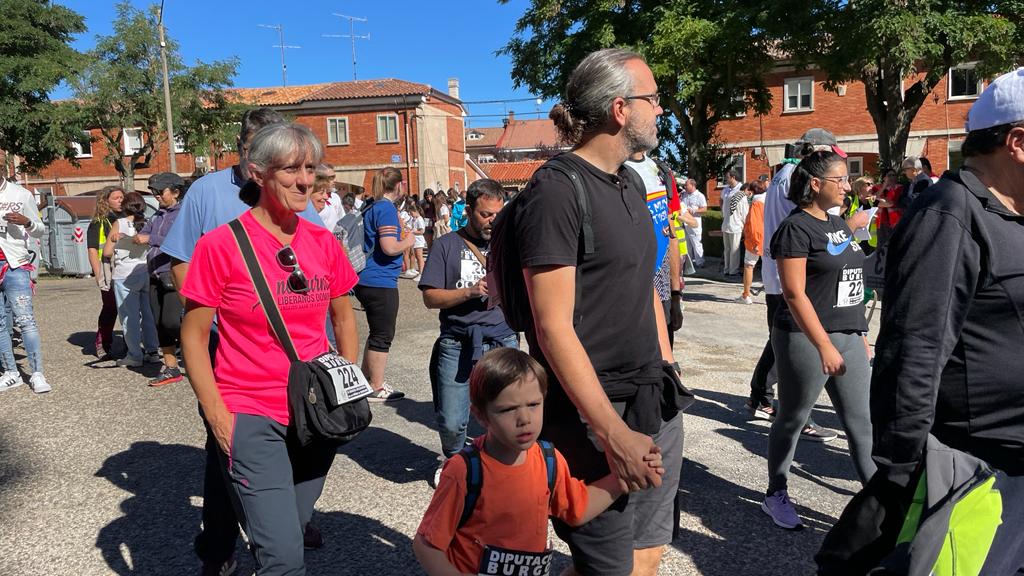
column 677, row 293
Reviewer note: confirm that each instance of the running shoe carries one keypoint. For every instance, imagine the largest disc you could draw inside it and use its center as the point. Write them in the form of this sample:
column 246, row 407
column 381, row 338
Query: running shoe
column 760, row 412
column 39, row 384
column 312, row 538
column 745, row 300
column 816, row 433
column 166, row 376
column 10, row 380
column 780, row 508
column 128, row 362
column 386, row 394
column 153, row 358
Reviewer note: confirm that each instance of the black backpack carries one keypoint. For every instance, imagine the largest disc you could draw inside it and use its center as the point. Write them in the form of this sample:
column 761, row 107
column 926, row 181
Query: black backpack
column 505, row 283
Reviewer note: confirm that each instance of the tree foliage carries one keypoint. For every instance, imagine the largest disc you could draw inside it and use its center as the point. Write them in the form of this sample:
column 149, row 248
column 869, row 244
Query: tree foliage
column 122, row 88
column 708, row 58
column 901, row 50
column 35, row 41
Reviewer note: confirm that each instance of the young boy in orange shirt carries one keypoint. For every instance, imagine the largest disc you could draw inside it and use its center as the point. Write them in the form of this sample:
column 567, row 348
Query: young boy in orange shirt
column 505, row 530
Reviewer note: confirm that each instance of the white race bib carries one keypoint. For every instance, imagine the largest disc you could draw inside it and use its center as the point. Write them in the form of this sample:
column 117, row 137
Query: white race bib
column 850, row 291
column 502, row 562
column 349, row 382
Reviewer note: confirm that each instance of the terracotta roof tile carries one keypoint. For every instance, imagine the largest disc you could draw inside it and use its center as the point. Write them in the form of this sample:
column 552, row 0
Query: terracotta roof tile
column 530, row 134
column 490, row 136
column 329, row 91
column 512, row 172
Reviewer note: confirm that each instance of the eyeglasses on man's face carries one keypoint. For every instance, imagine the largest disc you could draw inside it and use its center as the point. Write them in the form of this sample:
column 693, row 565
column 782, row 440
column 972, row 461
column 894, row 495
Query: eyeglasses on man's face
column 654, row 99
column 287, row 259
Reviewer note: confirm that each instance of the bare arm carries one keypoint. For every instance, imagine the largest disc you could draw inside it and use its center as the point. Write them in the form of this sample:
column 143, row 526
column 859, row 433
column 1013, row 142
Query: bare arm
column 441, row 299
column 344, row 321
column 433, row 561
column 195, row 342
column 659, row 320
column 793, row 276
column 179, row 270
column 112, row 237
column 94, row 262
column 393, row 247
column 552, row 292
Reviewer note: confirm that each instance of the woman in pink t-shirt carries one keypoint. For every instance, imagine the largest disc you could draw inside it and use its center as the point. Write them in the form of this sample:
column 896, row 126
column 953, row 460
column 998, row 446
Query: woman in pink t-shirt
column 274, row 479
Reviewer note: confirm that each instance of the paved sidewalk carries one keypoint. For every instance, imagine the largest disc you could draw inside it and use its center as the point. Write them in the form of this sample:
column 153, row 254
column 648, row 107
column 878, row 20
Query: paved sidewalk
column 102, row 476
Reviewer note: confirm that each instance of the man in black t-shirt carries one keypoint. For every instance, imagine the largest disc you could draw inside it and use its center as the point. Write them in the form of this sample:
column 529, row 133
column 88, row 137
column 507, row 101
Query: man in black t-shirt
column 608, row 349
column 453, row 282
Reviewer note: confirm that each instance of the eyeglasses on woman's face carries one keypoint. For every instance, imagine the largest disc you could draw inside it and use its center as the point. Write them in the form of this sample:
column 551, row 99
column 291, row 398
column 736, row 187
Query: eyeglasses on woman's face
column 287, row 259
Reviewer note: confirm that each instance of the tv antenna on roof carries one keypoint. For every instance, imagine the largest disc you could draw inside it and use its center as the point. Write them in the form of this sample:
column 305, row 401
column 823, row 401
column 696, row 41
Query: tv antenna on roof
column 351, row 34
column 282, row 46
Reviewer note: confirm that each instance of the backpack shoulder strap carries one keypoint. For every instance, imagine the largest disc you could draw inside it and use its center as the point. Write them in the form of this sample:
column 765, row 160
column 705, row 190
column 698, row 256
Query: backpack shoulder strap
column 472, row 247
column 474, row 481
column 586, row 215
column 548, row 450
column 665, row 172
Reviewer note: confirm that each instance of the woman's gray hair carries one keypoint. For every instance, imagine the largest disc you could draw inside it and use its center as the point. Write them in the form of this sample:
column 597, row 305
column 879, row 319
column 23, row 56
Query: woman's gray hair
column 274, row 146
column 598, row 80
column 912, row 162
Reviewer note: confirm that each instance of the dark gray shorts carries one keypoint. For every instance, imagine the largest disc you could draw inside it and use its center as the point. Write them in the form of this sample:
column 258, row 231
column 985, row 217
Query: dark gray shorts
column 635, row 521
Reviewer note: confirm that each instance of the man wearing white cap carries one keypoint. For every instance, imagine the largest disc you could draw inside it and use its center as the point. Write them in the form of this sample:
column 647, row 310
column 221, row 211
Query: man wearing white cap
column 950, row 353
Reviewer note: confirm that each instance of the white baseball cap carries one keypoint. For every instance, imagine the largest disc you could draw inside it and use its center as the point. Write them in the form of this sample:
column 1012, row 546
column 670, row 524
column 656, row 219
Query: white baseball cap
column 1001, row 103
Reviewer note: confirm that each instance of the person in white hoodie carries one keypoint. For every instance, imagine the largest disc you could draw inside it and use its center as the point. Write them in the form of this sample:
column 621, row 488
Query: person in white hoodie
column 19, row 220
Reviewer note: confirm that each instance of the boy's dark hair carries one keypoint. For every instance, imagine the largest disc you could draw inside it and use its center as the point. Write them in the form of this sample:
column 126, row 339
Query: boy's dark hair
column 484, row 187
column 814, row 165
column 498, row 369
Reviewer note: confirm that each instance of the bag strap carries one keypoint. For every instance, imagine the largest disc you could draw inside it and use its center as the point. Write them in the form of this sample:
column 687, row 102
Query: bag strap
column 474, row 481
column 667, row 177
column 548, row 450
column 472, row 247
column 259, row 282
column 562, row 166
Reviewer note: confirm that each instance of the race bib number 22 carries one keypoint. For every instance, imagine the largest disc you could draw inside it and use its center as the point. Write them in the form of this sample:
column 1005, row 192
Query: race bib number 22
column 850, row 291
column 502, row 562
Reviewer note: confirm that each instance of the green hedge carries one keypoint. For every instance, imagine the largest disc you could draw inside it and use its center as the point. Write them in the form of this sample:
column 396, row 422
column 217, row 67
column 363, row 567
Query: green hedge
column 711, row 221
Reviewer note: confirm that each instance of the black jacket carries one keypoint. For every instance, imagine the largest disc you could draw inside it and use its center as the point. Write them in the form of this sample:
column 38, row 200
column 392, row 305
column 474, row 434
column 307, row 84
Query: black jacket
column 950, row 354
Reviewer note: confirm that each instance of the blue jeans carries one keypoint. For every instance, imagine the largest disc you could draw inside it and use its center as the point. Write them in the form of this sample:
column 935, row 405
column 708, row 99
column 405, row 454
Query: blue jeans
column 16, row 290
column 136, row 314
column 451, row 398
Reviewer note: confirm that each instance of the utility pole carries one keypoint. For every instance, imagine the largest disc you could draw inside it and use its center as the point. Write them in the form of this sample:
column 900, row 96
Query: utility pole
column 282, row 46
column 167, row 90
column 351, row 34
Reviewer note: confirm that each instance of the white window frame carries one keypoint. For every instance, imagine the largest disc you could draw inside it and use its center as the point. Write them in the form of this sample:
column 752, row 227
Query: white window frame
column 953, row 150
column 330, row 133
column 179, row 144
column 126, row 141
column 797, row 81
column 742, row 164
column 385, row 139
column 949, row 82
column 859, row 161
column 77, row 146
column 486, row 158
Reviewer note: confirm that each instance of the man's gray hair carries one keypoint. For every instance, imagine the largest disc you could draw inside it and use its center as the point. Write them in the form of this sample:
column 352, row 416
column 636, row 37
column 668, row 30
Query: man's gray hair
column 255, row 118
column 277, row 144
column 597, row 80
column 912, row 162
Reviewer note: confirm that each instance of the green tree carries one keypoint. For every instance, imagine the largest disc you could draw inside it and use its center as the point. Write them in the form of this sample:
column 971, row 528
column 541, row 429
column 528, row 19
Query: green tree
column 121, row 90
column 901, row 50
column 34, row 42
column 708, row 58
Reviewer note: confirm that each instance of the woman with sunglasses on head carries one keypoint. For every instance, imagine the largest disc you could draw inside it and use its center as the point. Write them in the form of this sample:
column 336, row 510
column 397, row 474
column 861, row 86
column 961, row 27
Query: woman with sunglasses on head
column 385, row 242
column 274, row 480
column 819, row 333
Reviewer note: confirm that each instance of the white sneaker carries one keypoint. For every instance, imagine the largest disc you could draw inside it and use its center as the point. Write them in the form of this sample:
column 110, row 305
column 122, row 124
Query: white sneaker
column 39, row 384
column 410, row 273
column 10, row 380
column 745, row 299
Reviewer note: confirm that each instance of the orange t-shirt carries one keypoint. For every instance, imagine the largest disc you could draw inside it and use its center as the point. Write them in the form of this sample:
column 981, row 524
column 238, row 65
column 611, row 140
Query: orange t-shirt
column 753, row 229
column 511, row 512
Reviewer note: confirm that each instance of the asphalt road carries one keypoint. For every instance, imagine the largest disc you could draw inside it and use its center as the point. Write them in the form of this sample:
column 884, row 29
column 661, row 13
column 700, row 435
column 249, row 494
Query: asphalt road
column 103, row 475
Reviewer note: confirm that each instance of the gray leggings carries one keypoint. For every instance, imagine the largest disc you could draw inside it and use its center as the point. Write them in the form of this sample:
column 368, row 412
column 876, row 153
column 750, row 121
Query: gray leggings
column 800, row 382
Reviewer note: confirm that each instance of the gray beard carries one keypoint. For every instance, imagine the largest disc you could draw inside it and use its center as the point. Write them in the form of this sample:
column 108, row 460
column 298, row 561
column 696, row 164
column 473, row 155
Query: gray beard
column 637, row 141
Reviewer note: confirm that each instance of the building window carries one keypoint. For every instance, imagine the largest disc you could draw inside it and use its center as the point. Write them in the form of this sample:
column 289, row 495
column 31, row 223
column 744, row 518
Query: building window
column 855, row 164
column 387, row 128
column 132, row 140
column 475, row 136
column 736, row 162
column 337, row 131
column 799, row 94
column 964, row 82
column 83, row 149
column 955, row 157
column 179, row 145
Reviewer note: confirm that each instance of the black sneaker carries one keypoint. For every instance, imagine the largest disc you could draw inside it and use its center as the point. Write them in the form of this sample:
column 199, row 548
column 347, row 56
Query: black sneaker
column 761, row 412
column 167, row 376
column 312, row 538
column 816, row 433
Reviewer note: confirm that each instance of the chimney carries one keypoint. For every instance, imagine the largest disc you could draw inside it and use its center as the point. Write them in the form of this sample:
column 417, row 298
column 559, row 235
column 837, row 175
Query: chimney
column 511, row 118
column 453, row 88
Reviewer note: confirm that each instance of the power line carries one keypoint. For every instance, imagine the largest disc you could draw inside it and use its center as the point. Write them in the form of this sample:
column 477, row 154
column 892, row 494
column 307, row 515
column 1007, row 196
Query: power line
column 531, row 99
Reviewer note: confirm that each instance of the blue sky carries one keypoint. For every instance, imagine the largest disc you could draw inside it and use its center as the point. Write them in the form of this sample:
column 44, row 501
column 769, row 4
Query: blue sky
column 419, row 42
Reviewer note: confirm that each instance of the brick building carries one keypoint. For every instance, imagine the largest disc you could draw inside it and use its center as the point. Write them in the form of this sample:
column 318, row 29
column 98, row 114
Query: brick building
column 511, row 153
column 364, row 125
column 800, row 103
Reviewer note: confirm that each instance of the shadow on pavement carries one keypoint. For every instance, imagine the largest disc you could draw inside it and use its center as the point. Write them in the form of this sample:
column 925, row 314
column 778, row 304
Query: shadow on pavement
column 355, row 544
column 84, row 340
column 154, row 535
column 423, row 413
column 734, row 536
column 390, row 456
column 11, row 475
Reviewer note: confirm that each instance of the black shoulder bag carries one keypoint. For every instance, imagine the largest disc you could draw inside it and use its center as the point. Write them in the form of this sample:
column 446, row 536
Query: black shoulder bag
column 326, row 395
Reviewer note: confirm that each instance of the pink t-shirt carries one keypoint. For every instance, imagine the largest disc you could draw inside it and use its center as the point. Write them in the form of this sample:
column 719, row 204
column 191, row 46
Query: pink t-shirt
column 251, row 365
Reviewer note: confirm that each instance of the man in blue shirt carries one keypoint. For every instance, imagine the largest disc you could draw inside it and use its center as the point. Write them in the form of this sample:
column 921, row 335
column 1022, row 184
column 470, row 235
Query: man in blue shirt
column 213, row 201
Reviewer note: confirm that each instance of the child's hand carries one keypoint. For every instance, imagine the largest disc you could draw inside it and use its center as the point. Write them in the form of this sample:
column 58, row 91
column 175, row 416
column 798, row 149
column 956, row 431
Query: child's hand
column 653, row 460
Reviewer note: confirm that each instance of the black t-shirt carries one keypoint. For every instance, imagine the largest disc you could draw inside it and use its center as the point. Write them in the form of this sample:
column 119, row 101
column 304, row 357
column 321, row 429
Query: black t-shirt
column 92, row 234
column 616, row 325
column 452, row 265
column 835, row 270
